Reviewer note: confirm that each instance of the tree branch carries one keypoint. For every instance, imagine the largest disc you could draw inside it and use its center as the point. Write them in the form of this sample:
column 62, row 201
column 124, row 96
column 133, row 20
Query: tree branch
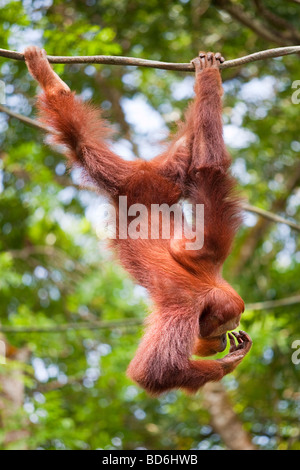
column 223, row 418
column 132, row 61
column 277, row 21
column 243, row 17
column 271, row 216
column 25, row 119
column 257, row 232
column 269, row 304
column 247, row 207
column 96, row 325
column 101, row 325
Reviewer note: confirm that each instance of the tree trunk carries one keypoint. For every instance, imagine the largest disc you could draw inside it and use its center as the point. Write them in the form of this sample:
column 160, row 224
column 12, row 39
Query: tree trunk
column 224, row 420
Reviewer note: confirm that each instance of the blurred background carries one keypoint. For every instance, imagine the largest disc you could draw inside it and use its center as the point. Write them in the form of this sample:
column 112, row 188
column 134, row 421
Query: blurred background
column 63, row 384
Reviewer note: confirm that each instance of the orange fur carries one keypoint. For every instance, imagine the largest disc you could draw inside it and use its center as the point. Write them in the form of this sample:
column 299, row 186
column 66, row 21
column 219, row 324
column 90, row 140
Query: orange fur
column 191, row 298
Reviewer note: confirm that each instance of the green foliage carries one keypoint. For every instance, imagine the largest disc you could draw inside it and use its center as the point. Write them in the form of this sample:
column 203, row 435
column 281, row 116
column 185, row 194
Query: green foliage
column 52, row 270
